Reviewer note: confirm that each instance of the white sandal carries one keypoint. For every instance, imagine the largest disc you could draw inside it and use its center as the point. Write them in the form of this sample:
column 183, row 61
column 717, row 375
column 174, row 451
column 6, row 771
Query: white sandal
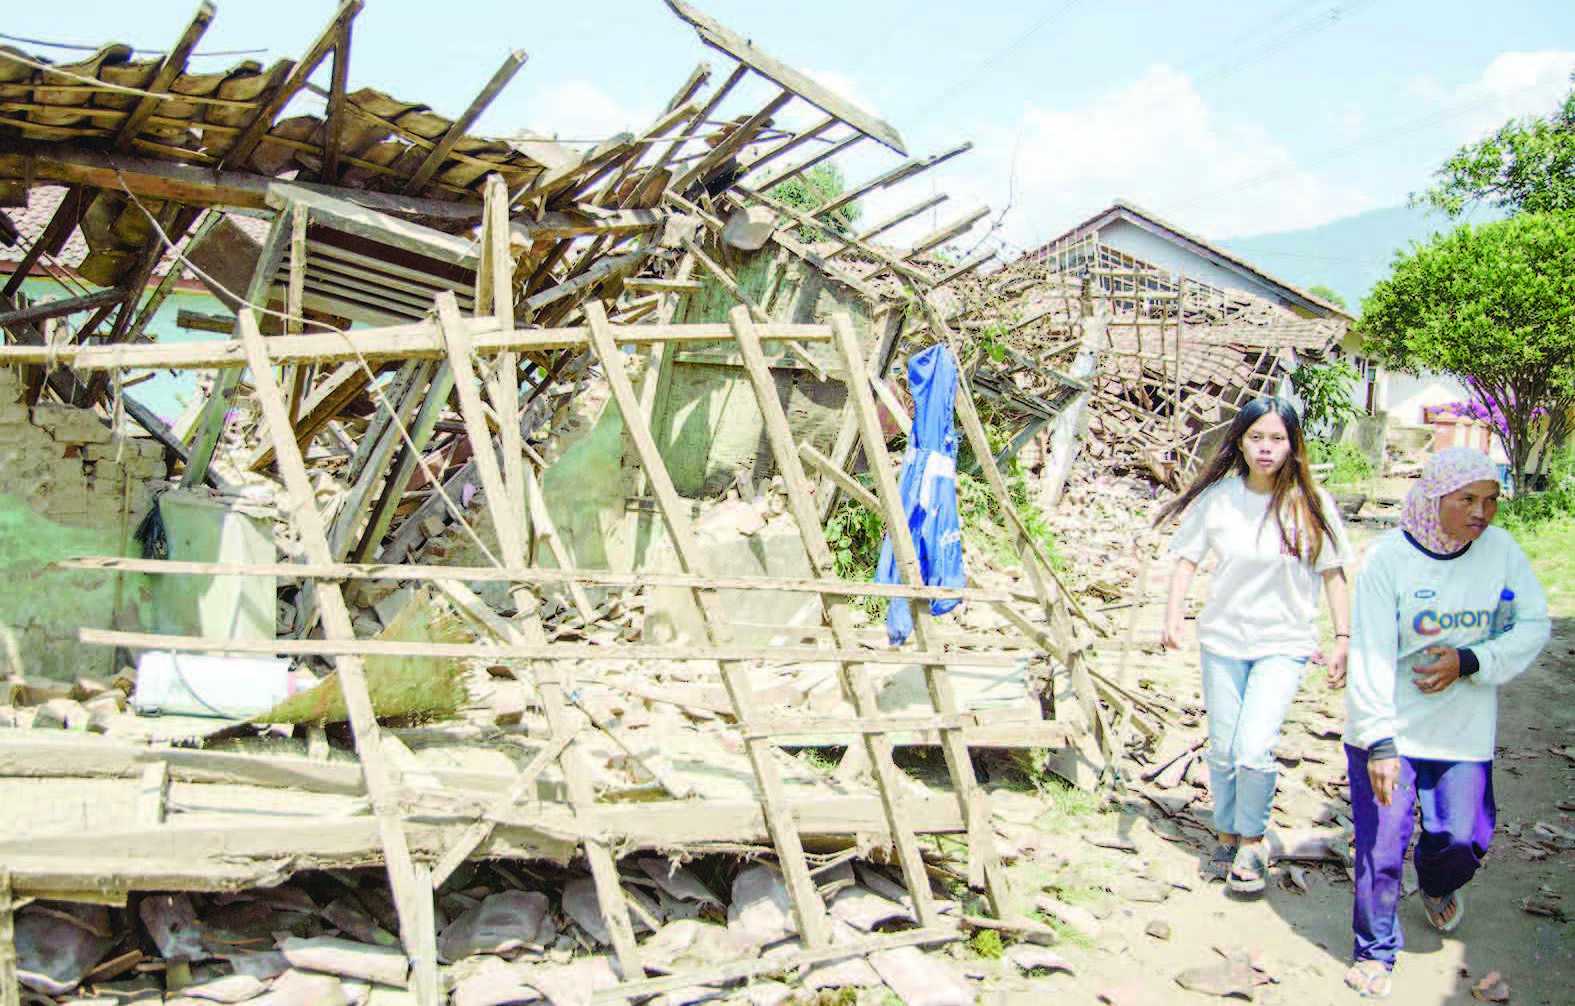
column 1436, row 907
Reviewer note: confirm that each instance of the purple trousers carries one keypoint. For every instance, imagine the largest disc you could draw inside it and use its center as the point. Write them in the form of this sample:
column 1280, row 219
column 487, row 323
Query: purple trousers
column 1456, row 798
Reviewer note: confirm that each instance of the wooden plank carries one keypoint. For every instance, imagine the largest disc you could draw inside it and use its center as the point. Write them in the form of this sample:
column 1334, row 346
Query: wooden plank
column 810, row 912
column 721, row 38
column 793, row 171
column 155, row 791
column 910, row 168
column 72, row 205
column 524, row 786
column 381, row 778
column 836, row 612
column 791, row 143
column 172, row 66
column 741, row 134
column 959, row 765
column 173, row 274
column 604, row 869
column 456, row 132
column 40, row 310
column 545, row 651
column 294, row 297
column 10, row 988
column 410, row 453
column 210, row 424
column 325, row 402
column 887, row 223
column 411, row 573
column 648, row 182
column 262, row 121
column 414, row 340
column 334, row 126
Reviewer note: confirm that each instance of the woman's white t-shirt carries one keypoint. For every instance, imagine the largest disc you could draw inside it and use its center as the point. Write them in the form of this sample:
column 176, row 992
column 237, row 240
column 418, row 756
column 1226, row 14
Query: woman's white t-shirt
column 1263, row 599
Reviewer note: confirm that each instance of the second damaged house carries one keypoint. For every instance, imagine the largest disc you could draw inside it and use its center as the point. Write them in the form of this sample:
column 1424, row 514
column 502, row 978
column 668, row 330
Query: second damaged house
column 494, row 549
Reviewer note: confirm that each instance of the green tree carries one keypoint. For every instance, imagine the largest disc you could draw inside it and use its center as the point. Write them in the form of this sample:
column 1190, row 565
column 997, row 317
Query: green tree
column 1329, row 294
column 809, row 191
column 1527, row 165
column 1494, row 306
column 1325, row 391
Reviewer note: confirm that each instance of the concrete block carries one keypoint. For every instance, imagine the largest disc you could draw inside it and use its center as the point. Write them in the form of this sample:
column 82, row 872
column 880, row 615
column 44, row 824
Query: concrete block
column 198, row 528
column 66, row 424
column 749, row 228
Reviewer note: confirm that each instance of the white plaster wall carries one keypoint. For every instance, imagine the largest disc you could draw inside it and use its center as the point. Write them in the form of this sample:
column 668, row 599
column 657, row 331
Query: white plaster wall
column 1404, row 396
column 1158, row 251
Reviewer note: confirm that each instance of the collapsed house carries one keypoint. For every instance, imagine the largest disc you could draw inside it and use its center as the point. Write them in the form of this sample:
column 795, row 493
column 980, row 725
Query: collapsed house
column 493, row 541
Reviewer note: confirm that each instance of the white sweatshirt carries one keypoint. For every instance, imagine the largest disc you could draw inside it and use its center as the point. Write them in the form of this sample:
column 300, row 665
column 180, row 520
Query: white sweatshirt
column 1407, row 600
column 1263, row 601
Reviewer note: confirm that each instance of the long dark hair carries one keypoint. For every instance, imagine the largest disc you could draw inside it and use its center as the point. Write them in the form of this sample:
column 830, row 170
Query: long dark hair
column 1294, row 491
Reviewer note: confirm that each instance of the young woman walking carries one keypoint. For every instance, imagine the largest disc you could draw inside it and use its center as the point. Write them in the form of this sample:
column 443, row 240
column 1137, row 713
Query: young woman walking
column 1447, row 610
column 1277, row 538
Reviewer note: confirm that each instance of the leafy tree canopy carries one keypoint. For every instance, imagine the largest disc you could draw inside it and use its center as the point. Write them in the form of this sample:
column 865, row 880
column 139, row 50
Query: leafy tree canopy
column 1329, row 294
column 1494, row 306
column 809, row 191
column 1526, row 165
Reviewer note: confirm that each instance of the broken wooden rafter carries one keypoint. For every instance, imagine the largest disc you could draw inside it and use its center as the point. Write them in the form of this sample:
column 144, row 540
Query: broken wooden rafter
column 262, row 120
column 334, row 126
column 40, row 310
column 882, row 226
column 172, row 66
column 197, row 186
column 723, row 39
column 416, row 340
column 456, row 132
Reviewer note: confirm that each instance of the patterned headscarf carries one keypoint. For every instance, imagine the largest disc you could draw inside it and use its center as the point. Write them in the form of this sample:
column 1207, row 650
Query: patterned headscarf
column 1447, row 471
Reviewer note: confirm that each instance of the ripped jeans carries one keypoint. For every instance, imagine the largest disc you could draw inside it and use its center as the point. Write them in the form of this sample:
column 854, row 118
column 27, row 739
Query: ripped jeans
column 1247, row 701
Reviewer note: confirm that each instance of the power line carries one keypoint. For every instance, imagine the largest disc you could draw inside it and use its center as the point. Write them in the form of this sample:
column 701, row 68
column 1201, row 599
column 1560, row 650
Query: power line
column 957, row 86
column 146, row 52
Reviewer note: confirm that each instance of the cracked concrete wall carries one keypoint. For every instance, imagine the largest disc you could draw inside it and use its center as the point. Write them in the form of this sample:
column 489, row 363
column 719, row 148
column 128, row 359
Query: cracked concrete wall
column 68, row 487
column 706, row 421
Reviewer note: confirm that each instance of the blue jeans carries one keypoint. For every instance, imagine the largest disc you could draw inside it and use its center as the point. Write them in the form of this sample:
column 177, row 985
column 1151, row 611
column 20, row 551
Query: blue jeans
column 1247, row 701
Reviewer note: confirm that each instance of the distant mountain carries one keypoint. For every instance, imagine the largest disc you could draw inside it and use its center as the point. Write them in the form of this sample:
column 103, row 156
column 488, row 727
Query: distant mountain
column 1348, row 255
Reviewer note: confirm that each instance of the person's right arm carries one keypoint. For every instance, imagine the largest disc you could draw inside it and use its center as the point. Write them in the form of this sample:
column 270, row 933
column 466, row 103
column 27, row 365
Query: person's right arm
column 1189, row 544
column 1370, row 672
column 1175, row 621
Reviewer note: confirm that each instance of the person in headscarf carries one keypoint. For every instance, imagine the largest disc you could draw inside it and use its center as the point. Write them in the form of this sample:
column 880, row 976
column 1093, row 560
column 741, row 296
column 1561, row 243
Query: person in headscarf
column 1446, row 611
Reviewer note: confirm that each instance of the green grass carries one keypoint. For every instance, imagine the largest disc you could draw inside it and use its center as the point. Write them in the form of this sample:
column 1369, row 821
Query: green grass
column 987, row 943
column 1550, row 546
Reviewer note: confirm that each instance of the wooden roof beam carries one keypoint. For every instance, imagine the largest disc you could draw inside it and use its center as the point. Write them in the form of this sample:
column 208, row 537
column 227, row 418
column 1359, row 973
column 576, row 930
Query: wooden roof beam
column 67, row 215
column 334, row 137
column 719, row 37
column 197, row 186
column 907, row 169
column 900, row 217
column 735, row 141
column 252, row 133
column 810, row 162
column 173, row 66
column 456, row 132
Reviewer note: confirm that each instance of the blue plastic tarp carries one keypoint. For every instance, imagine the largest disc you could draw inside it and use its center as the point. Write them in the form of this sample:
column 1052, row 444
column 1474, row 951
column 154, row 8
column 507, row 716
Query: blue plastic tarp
column 929, row 489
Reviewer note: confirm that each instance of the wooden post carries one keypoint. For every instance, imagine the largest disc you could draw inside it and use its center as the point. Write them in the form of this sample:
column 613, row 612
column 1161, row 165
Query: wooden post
column 982, row 856
column 834, row 609
column 210, row 424
column 382, row 782
column 295, row 293
column 549, row 686
column 10, row 988
column 812, row 921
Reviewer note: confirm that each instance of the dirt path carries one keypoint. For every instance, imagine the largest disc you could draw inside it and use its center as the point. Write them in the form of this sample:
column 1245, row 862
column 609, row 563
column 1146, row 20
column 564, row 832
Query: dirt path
column 1304, row 937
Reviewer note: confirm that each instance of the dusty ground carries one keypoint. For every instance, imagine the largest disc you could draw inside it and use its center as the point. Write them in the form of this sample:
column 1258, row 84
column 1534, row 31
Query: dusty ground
column 1304, row 938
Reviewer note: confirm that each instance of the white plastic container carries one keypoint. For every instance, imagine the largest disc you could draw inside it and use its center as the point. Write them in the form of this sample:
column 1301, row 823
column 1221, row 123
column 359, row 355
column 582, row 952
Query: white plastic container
column 206, row 684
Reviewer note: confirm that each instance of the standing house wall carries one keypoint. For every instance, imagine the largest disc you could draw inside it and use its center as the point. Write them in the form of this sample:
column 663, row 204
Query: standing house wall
column 1166, row 254
column 68, row 487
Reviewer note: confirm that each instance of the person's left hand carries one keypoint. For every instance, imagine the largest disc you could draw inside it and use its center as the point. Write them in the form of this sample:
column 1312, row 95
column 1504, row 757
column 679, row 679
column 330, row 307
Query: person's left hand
column 1335, row 662
column 1441, row 673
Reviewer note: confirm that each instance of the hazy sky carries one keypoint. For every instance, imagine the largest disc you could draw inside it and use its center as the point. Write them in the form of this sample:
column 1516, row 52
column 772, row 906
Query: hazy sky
column 1230, row 118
